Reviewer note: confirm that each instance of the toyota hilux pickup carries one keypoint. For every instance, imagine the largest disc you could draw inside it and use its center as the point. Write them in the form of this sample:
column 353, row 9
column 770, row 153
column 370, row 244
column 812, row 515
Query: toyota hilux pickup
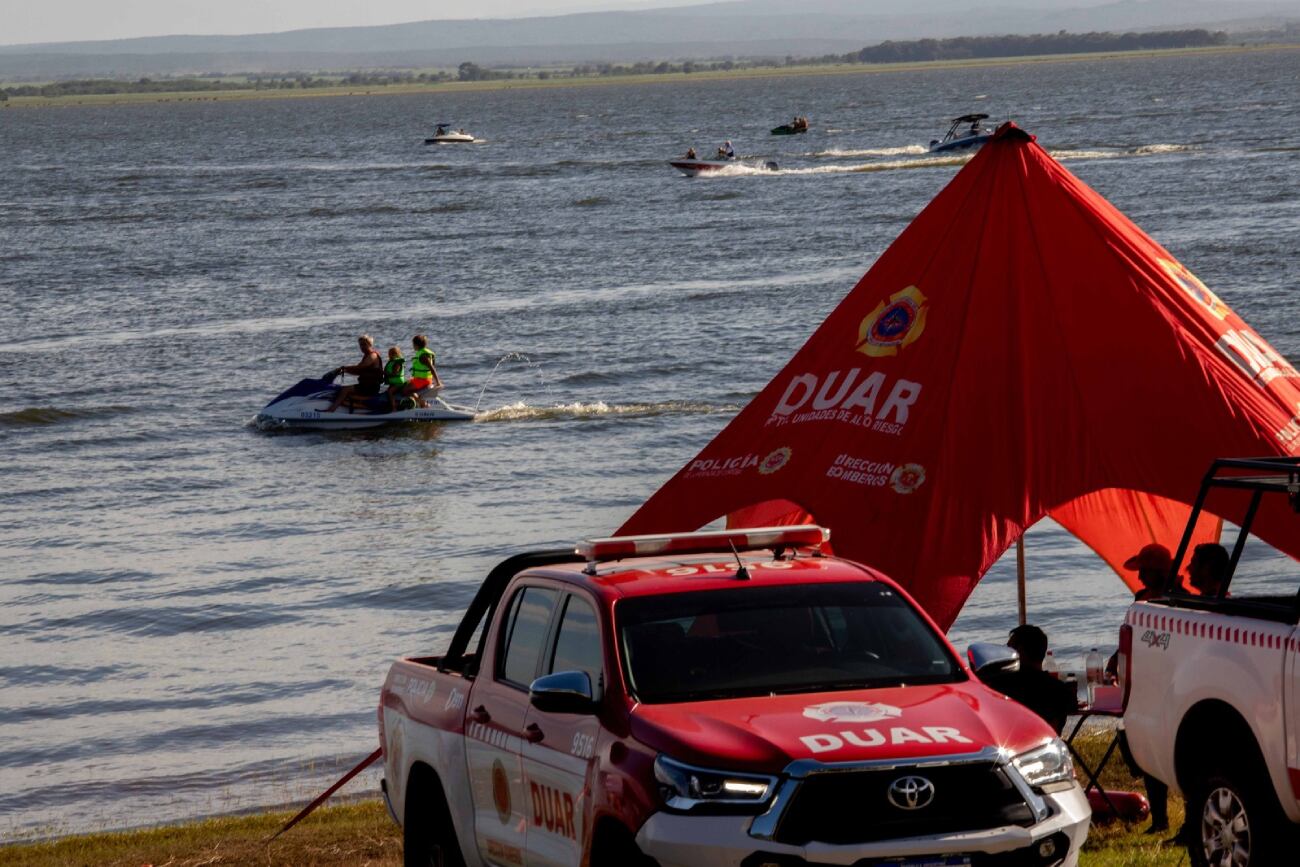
column 719, row 698
column 1211, row 676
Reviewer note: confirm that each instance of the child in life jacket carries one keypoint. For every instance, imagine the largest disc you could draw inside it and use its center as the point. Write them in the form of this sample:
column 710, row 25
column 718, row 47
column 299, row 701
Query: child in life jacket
column 423, row 372
column 393, row 376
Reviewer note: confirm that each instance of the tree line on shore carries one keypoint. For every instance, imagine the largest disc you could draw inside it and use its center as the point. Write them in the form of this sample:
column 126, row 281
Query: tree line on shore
column 910, row 51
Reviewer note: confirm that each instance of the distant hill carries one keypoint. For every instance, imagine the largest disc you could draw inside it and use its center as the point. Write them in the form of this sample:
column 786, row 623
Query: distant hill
column 745, row 28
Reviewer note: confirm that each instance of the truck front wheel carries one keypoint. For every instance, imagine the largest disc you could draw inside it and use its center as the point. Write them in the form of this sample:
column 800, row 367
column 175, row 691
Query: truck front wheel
column 428, row 836
column 1234, row 822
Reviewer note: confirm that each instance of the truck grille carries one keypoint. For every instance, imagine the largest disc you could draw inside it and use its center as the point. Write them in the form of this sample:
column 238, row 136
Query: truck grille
column 844, row 807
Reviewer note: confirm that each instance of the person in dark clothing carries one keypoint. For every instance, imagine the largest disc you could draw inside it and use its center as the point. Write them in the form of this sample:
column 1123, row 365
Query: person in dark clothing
column 369, row 373
column 1152, row 563
column 1032, row 687
column 1208, row 571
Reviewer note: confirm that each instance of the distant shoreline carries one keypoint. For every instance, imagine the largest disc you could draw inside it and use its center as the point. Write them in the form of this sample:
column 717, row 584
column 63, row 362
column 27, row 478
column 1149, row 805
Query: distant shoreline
column 21, row 102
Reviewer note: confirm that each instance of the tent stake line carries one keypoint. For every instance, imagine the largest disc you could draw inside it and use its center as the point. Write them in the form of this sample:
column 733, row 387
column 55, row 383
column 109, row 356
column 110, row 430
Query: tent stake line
column 307, row 810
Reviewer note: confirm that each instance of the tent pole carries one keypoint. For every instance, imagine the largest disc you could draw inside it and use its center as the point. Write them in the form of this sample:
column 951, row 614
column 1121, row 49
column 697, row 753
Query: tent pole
column 1020, row 578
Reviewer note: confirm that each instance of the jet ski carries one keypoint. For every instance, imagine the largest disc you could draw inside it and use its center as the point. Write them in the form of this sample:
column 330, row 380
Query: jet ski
column 304, row 407
column 695, row 168
column 443, row 135
column 795, row 127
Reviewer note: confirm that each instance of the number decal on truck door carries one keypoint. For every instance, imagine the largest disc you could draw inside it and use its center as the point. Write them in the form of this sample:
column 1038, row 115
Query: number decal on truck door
column 584, row 745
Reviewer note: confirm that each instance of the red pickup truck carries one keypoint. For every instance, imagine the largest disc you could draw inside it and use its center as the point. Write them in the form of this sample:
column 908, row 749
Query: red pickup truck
column 724, row 698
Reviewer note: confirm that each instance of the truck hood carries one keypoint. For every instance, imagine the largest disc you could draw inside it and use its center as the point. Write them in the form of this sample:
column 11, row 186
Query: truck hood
column 766, row 733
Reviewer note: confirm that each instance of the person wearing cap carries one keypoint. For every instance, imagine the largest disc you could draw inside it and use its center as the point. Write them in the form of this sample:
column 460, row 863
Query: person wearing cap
column 1041, row 692
column 1152, row 565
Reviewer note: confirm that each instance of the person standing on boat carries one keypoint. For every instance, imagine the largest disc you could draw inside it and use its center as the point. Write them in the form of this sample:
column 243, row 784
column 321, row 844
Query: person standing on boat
column 727, row 152
column 424, row 373
column 369, row 374
column 690, row 153
column 393, row 375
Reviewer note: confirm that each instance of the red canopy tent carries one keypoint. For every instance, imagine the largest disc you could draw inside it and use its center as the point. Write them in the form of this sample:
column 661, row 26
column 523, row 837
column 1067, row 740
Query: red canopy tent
column 1021, row 350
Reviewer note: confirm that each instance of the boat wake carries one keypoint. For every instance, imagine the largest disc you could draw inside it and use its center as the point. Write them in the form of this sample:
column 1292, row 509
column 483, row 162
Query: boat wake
column 868, row 152
column 1119, row 153
column 41, row 416
column 521, row 411
column 938, row 161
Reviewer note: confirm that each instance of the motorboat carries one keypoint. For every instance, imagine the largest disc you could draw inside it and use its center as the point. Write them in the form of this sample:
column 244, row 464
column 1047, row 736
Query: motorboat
column 304, row 406
column 960, row 136
column 443, row 134
column 694, row 168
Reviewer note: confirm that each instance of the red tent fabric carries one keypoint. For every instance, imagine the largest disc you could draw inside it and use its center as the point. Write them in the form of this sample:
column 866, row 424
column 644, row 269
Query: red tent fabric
column 1021, row 350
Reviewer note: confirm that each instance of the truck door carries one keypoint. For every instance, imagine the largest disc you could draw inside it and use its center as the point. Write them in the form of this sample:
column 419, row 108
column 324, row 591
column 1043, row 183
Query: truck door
column 559, row 749
column 1291, row 679
column 495, row 720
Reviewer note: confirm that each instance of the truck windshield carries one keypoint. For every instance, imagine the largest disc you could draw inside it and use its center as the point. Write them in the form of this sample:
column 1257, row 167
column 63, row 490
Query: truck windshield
column 768, row 640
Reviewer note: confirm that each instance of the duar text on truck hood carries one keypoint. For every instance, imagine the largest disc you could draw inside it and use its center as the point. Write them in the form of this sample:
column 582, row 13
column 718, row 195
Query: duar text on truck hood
column 766, row 733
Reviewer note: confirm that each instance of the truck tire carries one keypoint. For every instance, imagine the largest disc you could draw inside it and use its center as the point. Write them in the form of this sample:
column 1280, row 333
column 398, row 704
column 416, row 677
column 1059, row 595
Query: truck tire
column 428, row 836
column 1234, row 820
column 614, row 846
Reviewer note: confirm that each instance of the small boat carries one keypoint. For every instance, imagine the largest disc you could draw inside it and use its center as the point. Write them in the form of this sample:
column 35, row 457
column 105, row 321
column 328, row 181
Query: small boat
column 695, row 168
column 959, row 139
column 304, row 406
column 795, row 127
column 443, row 135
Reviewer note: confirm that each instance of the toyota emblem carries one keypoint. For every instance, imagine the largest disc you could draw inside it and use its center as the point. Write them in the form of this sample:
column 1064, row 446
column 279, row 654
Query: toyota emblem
column 911, row 793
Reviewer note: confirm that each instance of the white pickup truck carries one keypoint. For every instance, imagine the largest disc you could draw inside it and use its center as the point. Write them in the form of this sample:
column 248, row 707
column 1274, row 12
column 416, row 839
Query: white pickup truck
column 1211, row 677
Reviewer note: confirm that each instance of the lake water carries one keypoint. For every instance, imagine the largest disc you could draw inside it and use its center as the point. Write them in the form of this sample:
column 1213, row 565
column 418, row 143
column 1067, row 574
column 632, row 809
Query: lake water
column 196, row 615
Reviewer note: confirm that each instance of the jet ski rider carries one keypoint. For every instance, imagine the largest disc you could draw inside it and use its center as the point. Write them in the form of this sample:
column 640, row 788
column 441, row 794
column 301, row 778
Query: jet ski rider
column 393, row 376
column 423, row 372
column 369, row 374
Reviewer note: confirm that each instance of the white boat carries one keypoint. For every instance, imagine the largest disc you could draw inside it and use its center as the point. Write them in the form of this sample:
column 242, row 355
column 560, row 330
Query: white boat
column 694, row 168
column 304, row 407
column 444, row 135
column 960, row 137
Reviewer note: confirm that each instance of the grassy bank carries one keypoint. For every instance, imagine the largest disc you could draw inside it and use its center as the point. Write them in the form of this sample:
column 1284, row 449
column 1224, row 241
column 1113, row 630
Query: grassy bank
column 362, row 833
column 612, row 80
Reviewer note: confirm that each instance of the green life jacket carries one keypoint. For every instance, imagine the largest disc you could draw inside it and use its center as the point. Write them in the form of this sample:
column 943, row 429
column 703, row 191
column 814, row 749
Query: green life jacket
column 422, row 364
column 393, row 371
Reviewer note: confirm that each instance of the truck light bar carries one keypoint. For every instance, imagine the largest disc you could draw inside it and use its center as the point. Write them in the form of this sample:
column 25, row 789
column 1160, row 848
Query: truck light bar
column 618, row 547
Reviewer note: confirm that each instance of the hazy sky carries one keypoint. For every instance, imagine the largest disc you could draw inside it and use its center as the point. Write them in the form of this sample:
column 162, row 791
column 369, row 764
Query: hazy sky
column 70, row 20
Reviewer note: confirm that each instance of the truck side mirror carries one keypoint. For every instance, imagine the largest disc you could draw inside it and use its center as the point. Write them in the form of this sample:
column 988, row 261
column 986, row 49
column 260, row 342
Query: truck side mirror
column 987, row 658
column 563, row 692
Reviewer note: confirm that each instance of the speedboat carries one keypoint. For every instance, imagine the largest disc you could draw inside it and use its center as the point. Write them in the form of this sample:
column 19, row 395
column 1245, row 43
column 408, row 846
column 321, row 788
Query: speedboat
column 304, row 407
column 959, row 139
column 443, row 135
column 695, row 168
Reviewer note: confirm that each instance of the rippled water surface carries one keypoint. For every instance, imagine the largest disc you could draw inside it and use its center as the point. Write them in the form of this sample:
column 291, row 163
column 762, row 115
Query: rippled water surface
column 196, row 615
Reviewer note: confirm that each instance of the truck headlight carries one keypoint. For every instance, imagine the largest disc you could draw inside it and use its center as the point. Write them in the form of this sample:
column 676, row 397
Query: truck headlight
column 686, row 787
column 1045, row 765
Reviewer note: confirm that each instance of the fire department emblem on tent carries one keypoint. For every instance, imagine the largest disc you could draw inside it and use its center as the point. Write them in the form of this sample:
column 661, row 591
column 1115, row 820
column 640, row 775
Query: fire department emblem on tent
column 907, row 478
column 893, row 324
